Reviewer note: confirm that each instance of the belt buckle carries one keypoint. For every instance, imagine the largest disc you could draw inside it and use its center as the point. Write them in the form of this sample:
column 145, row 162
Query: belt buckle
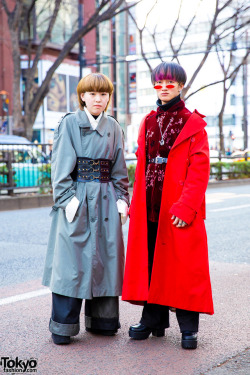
column 93, row 162
column 158, row 160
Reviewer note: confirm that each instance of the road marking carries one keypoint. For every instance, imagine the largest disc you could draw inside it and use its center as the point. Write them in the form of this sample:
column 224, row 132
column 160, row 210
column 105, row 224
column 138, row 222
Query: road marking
column 229, row 208
column 221, row 197
column 24, row 296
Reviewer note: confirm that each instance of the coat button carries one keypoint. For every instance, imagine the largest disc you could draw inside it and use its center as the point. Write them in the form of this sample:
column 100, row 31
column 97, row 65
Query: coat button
column 105, row 197
column 92, row 219
column 106, row 219
column 181, row 182
column 192, row 139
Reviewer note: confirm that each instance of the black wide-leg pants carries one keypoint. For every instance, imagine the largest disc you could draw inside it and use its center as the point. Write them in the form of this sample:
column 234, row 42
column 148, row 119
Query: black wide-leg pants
column 101, row 313
column 157, row 316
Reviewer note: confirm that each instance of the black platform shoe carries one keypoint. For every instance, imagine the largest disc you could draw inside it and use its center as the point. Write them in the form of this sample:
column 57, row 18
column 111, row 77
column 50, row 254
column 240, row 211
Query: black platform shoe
column 141, row 332
column 60, row 340
column 189, row 340
column 102, row 332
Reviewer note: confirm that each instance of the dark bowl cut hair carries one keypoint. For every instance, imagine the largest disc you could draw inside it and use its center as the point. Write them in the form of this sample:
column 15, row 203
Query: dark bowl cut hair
column 169, row 71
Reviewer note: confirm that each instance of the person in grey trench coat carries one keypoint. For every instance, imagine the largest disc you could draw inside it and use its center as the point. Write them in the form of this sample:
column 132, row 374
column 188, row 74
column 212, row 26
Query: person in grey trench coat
column 85, row 255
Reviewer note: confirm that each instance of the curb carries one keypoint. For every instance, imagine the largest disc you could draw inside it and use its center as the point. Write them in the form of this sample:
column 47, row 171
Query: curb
column 24, row 202
column 16, row 203
column 236, row 182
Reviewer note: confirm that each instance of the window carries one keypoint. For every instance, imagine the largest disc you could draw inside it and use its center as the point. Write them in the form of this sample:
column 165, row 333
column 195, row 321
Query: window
column 233, row 99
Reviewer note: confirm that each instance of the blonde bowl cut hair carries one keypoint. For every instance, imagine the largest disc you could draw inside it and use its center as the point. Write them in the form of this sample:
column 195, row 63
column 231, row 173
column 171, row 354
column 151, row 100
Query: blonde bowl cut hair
column 94, row 82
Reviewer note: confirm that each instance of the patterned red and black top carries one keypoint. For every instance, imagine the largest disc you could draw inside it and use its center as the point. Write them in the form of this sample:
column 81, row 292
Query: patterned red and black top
column 171, row 122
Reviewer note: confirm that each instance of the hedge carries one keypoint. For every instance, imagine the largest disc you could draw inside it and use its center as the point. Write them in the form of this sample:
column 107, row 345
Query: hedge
column 219, row 170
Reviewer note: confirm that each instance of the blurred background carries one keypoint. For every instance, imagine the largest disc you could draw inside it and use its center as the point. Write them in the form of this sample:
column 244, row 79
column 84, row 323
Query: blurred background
column 47, row 46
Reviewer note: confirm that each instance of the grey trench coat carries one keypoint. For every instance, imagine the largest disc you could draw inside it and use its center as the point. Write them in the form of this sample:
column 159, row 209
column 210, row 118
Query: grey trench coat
column 85, row 258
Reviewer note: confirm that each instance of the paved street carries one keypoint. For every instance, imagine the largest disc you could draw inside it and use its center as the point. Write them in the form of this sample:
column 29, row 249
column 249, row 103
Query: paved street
column 223, row 339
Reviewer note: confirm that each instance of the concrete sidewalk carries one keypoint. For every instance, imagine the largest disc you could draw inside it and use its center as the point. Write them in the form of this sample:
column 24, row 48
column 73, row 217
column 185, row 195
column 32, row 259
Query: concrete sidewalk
column 238, row 365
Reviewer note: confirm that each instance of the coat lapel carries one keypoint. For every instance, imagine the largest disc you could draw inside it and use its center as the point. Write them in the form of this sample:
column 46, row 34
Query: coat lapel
column 82, row 119
column 194, row 124
column 83, row 122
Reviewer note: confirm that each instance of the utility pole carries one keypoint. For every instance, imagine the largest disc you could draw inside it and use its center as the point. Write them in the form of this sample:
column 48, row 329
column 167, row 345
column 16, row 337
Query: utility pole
column 114, row 66
column 81, row 59
column 245, row 111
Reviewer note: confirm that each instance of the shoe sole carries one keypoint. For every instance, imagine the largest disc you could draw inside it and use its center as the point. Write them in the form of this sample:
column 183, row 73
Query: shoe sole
column 139, row 335
column 189, row 344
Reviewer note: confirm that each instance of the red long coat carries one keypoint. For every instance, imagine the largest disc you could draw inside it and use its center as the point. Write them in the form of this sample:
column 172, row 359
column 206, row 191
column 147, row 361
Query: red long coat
column 180, row 275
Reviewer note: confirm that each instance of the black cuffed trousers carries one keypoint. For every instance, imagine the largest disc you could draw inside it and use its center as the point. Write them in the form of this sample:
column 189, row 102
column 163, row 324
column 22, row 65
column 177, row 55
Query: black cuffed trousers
column 101, row 313
column 157, row 316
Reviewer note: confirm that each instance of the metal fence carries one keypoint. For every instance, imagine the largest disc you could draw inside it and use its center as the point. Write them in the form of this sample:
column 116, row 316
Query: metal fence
column 24, row 166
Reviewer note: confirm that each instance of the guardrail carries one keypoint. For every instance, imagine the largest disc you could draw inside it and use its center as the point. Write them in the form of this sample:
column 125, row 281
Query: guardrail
column 24, row 166
column 222, row 167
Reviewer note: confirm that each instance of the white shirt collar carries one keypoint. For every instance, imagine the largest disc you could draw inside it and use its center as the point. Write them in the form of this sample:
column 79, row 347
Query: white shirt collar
column 93, row 122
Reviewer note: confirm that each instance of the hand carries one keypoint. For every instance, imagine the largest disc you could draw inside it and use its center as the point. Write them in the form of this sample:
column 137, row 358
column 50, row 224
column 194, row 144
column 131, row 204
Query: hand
column 178, row 222
column 123, row 210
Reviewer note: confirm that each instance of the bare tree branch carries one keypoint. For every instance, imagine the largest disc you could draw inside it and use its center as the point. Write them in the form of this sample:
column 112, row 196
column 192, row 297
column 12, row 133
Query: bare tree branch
column 47, row 36
column 173, row 30
column 6, row 9
column 140, row 30
column 93, row 21
column 26, row 18
column 231, row 76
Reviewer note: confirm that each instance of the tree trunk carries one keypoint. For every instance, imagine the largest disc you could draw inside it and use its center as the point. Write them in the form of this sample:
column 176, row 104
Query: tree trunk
column 17, row 108
column 221, row 135
column 221, row 114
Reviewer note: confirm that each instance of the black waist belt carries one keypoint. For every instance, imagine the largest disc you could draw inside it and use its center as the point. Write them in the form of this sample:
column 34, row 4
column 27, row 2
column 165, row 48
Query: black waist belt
column 157, row 160
column 86, row 169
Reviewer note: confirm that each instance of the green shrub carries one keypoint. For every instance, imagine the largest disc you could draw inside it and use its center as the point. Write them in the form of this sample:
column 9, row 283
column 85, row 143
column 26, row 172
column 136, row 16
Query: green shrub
column 45, row 178
column 131, row 174
column 236, row 169
column 4, row 171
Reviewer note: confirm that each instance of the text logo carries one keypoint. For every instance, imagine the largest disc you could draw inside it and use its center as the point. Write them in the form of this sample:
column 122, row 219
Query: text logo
column 18, row 365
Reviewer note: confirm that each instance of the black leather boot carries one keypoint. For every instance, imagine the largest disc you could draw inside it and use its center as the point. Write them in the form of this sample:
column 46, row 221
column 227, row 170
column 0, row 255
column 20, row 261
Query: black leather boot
column 189, row 340
column 141, row 332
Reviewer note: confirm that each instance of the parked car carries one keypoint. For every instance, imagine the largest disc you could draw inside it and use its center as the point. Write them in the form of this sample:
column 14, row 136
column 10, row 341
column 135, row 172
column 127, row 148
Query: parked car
column 22, row 149
column 215, row 157
column 25, row 158
column 240, row 155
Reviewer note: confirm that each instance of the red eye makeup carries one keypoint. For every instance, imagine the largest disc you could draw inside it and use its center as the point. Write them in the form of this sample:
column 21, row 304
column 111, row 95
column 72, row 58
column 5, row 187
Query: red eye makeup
column 158, row 87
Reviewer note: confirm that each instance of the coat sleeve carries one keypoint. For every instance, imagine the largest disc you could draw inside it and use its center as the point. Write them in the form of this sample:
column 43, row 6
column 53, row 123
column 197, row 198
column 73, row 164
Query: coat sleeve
column 196, row 181
column 63, row 163
column 119, row 174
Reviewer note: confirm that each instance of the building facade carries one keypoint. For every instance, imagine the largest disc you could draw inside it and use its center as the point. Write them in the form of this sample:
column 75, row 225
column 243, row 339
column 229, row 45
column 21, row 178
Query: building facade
column 208, row 100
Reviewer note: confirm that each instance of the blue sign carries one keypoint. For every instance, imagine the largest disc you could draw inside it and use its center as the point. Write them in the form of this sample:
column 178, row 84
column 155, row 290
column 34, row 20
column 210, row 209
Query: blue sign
column 3, row 128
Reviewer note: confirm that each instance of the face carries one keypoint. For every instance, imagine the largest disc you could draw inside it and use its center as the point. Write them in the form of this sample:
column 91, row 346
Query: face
column 96, row 102
column 167, row 89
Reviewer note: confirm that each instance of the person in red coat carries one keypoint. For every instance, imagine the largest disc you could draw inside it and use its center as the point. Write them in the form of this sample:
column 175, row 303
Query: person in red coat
column 167, row 256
